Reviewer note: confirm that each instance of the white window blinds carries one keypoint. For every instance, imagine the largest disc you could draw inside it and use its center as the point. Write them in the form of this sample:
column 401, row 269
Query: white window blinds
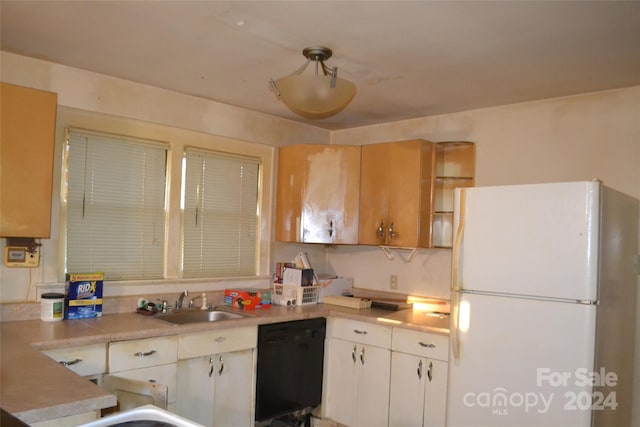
column 115, row 201
column 220, row 203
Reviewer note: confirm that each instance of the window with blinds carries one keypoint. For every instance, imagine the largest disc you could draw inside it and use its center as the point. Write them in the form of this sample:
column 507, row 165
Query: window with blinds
column 220, row 214
column 115, row 205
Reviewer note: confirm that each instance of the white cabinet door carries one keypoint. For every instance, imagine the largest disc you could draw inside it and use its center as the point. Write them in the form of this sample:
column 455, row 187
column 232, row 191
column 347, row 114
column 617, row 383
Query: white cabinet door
column 342, row 393
column 418, row 391
column 407, row 392
column 373, row 386
column 233, row 402
column 195, row 389
column 435, row 402
column 217, row 389
column 358, row 384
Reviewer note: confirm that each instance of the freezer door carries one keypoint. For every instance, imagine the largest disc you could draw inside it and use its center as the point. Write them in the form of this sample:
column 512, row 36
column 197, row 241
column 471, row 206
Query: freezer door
column 522, row 363
column 539, row 240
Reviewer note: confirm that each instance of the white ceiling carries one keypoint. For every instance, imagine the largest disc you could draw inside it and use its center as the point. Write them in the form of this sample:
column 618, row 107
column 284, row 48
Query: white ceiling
column 407, row 59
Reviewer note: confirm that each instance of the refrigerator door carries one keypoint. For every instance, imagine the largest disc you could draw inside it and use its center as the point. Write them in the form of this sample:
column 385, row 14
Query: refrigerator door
column 538, row 240
column 516, row 367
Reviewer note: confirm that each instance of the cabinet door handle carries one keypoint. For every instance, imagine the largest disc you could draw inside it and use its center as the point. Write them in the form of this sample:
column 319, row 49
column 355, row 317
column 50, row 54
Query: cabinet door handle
column 210, row 367
column 392, row 233
column 221, row 368
column 353, row 354
column 429, row 345
column 430, row 371
column 420, row 370
column 70, row 362
column 380, row 231
column 362, row 356
column 359, row 332
column 144, row 354
column 330, row 228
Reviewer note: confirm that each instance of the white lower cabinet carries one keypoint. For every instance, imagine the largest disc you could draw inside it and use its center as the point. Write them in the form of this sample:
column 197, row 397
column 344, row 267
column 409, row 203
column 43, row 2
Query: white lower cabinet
column 216, row 377
column 418, row 389
column 143, row 372
column 358, row 367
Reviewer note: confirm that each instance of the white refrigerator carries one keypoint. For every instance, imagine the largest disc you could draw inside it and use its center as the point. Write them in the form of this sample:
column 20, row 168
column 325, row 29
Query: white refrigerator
column 543, row 306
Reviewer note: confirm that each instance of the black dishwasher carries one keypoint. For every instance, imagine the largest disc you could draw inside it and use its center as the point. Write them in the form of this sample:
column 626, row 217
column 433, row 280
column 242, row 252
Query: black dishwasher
column 289, row 371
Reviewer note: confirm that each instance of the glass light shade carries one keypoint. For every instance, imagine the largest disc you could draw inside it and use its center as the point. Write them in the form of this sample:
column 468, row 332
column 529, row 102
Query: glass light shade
column 312, row 96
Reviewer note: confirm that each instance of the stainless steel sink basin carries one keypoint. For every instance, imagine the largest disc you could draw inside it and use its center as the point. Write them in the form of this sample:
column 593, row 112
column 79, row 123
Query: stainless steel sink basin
column 181, row 317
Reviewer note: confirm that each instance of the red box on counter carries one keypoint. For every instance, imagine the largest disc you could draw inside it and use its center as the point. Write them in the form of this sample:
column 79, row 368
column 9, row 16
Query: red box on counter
column 247, row 298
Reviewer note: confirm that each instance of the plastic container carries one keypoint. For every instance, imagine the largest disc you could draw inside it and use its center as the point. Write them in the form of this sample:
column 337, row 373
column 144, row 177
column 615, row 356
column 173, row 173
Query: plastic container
column 52, row 307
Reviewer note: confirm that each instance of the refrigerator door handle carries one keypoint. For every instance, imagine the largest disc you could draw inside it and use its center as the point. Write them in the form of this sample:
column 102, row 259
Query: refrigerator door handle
column 455, row 277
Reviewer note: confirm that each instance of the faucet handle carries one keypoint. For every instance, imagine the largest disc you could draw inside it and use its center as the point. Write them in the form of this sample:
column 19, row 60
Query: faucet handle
column 192, row 300
column 164, row 305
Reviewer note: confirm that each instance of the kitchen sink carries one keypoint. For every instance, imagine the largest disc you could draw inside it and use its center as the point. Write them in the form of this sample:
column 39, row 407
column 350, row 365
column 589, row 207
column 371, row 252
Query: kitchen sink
column 185, row 316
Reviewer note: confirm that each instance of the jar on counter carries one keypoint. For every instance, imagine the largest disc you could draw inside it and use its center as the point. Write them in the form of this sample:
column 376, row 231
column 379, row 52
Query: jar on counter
column 52, row 307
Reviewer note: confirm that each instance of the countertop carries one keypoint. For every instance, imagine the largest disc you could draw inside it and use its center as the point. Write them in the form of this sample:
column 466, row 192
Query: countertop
column 35, row 388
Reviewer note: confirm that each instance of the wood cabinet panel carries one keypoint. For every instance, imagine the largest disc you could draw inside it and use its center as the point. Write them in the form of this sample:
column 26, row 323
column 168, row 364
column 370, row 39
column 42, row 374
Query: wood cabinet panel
column 27, row 135
column 317, row 197
column 396, row 194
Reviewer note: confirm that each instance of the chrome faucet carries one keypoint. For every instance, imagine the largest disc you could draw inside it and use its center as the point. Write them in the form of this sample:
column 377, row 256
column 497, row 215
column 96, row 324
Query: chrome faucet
column 180, row 298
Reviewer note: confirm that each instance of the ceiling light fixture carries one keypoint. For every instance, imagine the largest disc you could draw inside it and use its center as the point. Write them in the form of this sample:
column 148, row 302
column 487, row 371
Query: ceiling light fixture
column 318, row 95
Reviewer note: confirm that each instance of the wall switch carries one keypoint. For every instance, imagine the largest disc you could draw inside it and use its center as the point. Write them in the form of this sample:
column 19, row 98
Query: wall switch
column 393, row 282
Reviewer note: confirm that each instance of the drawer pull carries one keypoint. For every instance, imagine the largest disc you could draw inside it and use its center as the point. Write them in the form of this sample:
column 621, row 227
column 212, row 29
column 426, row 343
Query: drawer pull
column 69, row 363
column 359, row 332
column 220, row 339
column 427, row 345
column 144, row 354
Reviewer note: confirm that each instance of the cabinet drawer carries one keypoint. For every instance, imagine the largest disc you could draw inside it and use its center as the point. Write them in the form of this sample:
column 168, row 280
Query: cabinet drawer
column 420, row 343
column 135, row 354
column 360, row 332
column 84, row 360
column 218, row 341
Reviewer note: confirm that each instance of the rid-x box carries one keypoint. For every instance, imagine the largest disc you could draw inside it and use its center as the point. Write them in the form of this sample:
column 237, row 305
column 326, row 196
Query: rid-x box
column 83, row 296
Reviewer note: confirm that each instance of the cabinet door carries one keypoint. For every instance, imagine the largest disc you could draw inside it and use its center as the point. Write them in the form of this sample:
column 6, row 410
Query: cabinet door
column 232, row 402
column 217, row 389
column 341, row 393
column 195, row 390
column 410, row 193
column 373, row 386
column 435, row 401
column 396, row 193
column 27, row 130
column 374, row 193
column 317, row 198
column 407, row 391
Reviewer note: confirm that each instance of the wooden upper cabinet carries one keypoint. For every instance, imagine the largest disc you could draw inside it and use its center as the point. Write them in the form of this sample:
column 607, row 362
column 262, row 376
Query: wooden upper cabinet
column 317, row 194
column 28, row 120
column 396, row 188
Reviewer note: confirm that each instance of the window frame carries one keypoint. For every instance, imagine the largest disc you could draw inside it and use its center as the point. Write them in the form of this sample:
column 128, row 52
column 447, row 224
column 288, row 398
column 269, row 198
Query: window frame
column 178, row 139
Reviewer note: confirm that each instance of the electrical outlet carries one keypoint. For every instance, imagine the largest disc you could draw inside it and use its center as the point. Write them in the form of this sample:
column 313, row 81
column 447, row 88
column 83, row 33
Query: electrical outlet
column 393, row 282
